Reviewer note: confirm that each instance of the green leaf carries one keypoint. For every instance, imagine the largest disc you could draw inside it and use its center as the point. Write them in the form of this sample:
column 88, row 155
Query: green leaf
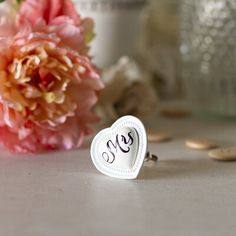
column 2, row 1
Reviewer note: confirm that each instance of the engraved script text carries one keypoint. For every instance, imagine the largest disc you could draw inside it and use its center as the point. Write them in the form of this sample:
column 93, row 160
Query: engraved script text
column 122, row 143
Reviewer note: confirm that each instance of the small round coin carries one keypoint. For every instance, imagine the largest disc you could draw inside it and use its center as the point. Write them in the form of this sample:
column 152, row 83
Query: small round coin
column 175, row 112
column 158, row 137
column 201, row 144
column 223, row 154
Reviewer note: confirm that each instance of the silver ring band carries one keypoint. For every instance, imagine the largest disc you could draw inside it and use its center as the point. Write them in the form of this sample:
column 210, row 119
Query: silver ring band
column 150, row 157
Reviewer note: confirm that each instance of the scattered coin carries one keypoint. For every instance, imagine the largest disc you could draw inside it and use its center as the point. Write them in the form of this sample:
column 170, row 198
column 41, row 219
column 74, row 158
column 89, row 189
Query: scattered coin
column 158, row 137
column 175, row 112
column 223, row 154
column 201, row 144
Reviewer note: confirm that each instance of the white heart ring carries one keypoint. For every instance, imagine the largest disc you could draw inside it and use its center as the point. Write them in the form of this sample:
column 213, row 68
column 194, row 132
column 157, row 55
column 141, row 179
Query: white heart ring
column 119, row 151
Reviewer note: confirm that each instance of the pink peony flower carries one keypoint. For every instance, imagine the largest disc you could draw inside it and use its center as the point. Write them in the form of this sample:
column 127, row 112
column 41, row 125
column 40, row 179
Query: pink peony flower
column 48, row 84
column 8, row 11
column 75, row 31
column 50, row 11
column 8, row 8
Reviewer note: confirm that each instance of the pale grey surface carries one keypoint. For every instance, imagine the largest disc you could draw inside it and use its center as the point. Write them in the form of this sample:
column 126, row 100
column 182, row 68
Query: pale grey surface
column 62, row 194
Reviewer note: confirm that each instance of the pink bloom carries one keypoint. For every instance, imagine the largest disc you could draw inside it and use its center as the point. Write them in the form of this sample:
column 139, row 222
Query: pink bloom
column 8, row 8
column 47, row 85
column 75, row 31
column 49, row 10
column 8, row 11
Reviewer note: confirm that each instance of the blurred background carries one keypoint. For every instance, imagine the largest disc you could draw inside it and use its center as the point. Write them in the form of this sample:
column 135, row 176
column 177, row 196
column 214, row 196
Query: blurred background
column 166, row 50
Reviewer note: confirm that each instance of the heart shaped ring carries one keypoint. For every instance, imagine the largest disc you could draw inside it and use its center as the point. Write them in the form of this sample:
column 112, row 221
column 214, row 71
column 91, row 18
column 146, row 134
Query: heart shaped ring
column 120, row 151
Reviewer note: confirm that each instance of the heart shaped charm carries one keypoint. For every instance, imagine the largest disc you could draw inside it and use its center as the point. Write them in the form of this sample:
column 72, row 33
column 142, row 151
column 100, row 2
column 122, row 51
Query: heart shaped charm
column 119, row 151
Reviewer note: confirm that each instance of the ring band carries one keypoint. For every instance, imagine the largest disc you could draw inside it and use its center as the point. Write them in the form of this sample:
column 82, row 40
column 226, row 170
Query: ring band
column 150, row 157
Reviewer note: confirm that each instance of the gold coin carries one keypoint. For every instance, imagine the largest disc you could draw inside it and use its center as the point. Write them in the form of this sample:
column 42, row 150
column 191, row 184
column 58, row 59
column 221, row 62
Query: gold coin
column 201, row 143
column 223, row 154
column 158, row 137
column 175, row 112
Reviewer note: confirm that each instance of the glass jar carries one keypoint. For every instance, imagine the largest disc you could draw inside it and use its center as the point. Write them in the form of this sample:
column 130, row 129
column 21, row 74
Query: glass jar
column 208, row 49
column 116, row 27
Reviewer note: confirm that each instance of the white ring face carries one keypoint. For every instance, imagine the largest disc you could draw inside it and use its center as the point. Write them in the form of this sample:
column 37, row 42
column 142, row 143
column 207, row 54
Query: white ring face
column 119, row 151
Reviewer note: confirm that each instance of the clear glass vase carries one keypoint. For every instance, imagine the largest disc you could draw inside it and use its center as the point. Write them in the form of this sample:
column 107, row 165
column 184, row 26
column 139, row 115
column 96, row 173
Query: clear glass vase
column 208, row 50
